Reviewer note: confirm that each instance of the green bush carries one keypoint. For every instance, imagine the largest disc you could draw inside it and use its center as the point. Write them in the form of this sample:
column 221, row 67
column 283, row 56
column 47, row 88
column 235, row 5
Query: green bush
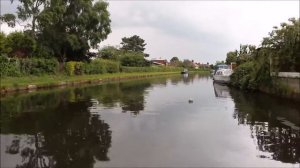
column 43, row 52
column 9, row 66
column 134, row 59
column 110, row 52
column 242, row 76
column 79, row 68
column 100, row 66
column 18, row 67
column 150, row 69
column 70, row 67
column 38, row 66
column 111, row 66
column 94, row 67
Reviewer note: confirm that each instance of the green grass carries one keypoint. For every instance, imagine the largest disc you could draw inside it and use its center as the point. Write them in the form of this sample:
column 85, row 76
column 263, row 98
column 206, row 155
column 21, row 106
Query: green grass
column 46, row 80
column 7, row 82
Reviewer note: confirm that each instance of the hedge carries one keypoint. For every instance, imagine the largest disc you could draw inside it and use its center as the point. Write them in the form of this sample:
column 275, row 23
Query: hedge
column 150, row 69
column 20, row 67
column 100, row 66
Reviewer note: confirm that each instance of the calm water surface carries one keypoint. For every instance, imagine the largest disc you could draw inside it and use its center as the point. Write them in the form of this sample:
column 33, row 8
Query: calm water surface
column 149, row 123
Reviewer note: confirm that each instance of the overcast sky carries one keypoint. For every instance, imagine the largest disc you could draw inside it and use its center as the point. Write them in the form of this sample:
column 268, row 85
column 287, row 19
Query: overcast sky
column 200, row 30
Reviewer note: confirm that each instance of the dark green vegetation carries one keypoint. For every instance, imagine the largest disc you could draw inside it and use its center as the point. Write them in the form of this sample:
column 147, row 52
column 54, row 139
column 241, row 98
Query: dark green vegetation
column 279, row 52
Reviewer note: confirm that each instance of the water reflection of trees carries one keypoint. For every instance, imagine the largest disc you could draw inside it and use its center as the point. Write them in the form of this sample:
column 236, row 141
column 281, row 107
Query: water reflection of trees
column 261, row 112
column 185, row 78
column 129, row 95
column 133, row 98
column 56, row 128
column 62, row 135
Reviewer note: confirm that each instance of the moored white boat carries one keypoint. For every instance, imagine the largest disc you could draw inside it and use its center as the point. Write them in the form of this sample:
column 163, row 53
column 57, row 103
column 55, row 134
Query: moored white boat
column 222, row 74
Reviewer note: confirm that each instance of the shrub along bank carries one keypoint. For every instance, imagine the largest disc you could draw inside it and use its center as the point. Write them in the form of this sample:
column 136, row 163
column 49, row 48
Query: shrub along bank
column 150, row 69
column 14, row 67
column 22, row 74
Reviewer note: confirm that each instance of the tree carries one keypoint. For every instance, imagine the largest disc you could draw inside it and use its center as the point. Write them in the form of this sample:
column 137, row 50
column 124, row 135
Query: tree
column 174, row 59
column 29, row 9
column 283, row 45
column 175, row 62
column 134, row 59
column 73, row 27
column 187, row 63
column 8, row 18
column 278, row 52
column 69, row 28
column 134, row 43
column 219, row 62
column 246, row 53
column 19, row 44
column 231, row 57
column 110, row 52
column 3, row 49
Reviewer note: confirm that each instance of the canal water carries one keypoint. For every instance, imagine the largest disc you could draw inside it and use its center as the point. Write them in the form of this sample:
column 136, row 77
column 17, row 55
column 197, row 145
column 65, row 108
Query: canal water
column 175, row 121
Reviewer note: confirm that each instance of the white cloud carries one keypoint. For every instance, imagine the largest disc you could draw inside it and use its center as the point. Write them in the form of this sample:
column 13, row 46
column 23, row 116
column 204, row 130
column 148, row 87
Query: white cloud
column 6, row 29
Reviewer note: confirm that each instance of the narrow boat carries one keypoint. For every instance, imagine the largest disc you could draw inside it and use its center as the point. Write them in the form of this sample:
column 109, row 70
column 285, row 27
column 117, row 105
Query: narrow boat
column 222, row 74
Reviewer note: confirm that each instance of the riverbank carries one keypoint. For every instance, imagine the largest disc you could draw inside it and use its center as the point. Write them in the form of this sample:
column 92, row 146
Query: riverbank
column 287, row 87
column 15, row 84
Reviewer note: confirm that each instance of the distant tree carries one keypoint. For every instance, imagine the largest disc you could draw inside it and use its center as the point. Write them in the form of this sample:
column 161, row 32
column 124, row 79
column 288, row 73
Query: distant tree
column 174, row 59
column 187, row 63
column 245, row 54
column 219, row 62
column 176, row 62
column 134, row 59
column 134, row 43
column 110, row 52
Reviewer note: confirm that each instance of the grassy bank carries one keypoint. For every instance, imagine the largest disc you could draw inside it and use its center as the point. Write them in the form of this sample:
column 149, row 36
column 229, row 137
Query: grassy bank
column 10, row 84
